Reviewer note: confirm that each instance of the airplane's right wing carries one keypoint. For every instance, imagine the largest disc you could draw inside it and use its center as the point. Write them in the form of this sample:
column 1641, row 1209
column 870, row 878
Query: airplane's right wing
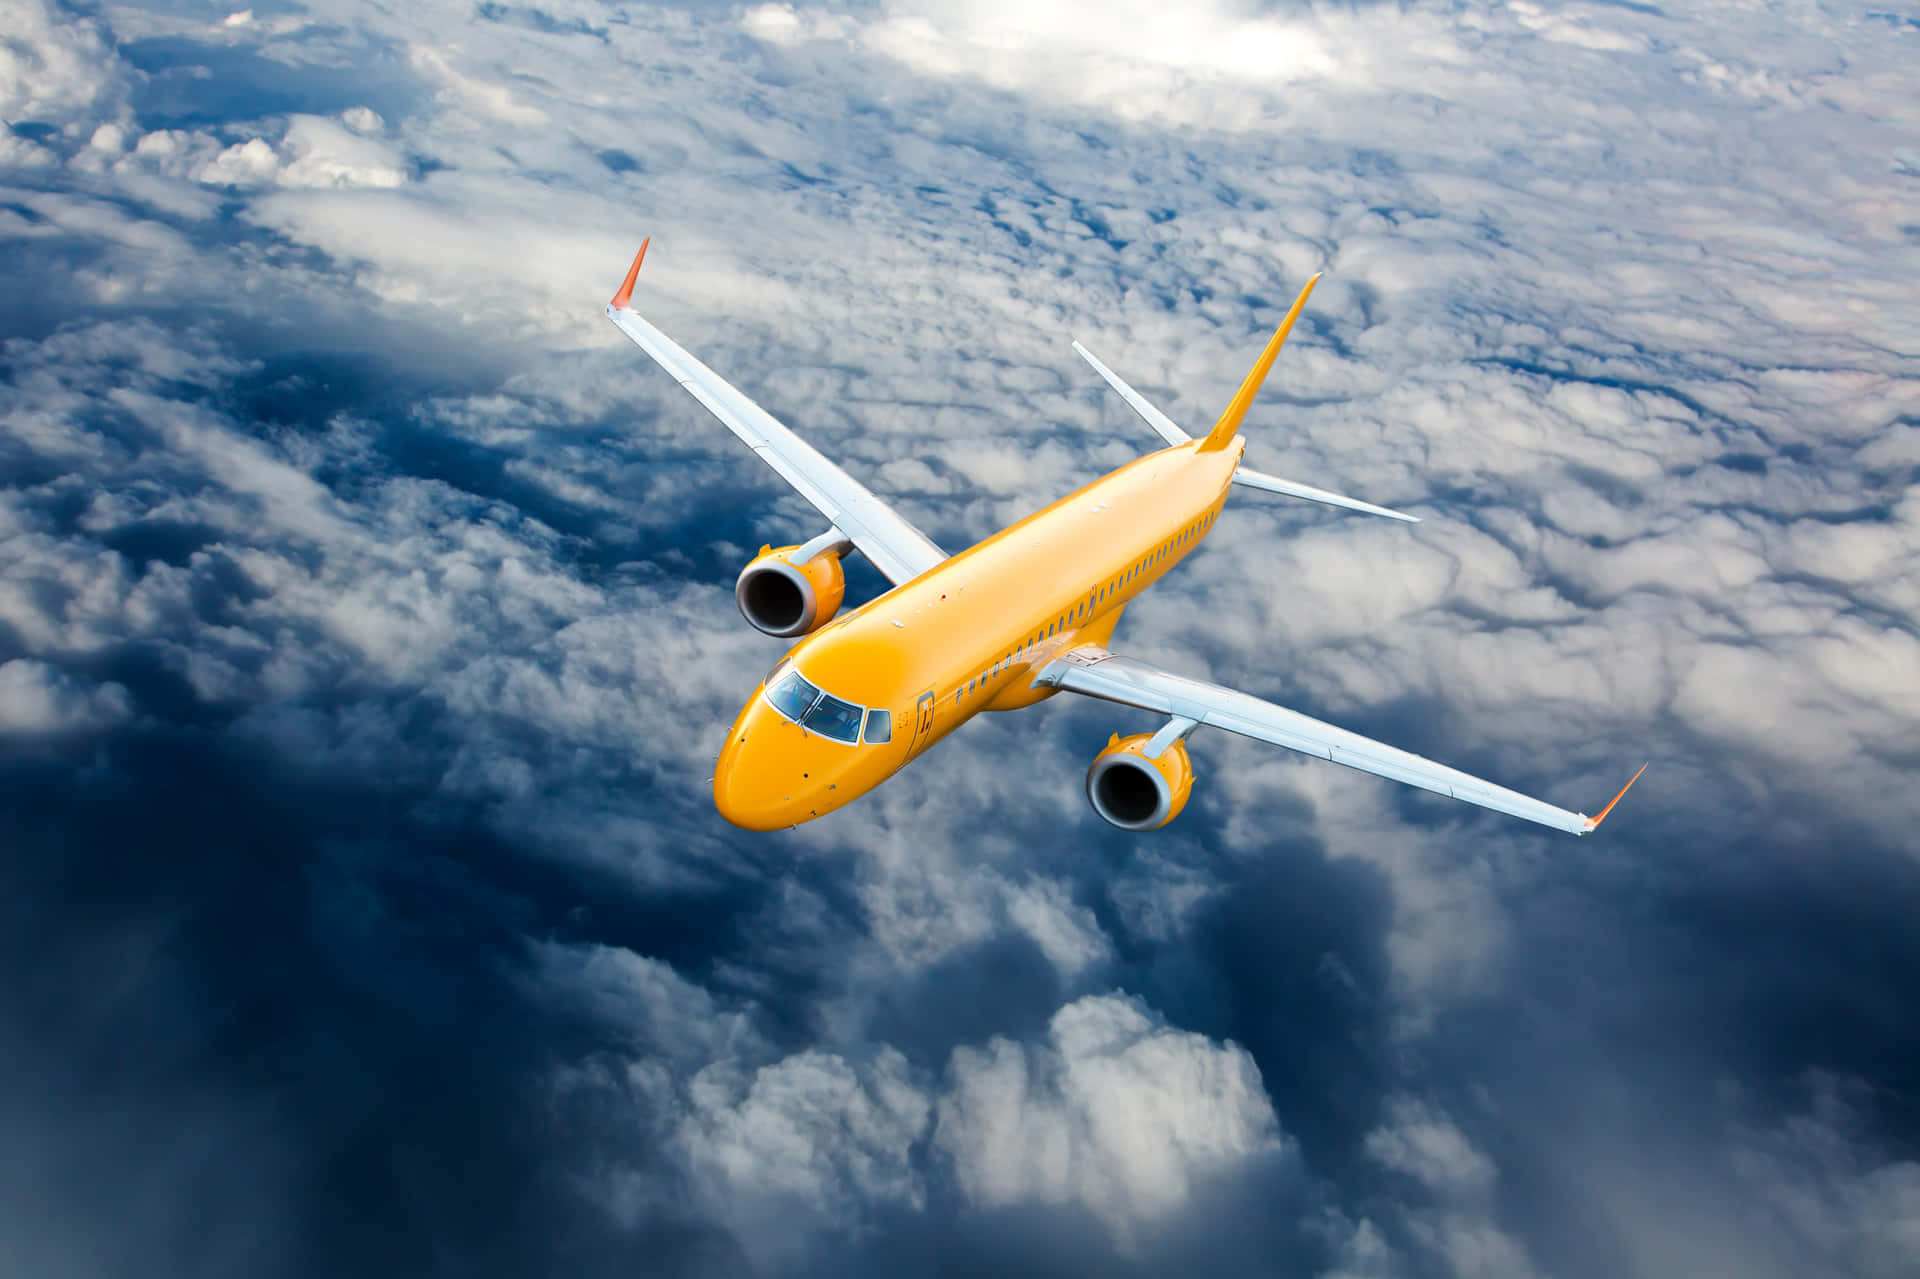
column 899, row 550
column 1094, row 672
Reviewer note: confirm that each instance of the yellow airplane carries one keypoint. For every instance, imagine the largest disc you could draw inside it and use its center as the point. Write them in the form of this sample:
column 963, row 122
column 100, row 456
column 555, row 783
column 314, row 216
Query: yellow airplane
column 1021, row 616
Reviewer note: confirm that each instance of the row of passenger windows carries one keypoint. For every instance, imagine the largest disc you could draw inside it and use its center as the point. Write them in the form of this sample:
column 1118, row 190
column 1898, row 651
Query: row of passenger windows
column 819, row 711
column 1081, row 612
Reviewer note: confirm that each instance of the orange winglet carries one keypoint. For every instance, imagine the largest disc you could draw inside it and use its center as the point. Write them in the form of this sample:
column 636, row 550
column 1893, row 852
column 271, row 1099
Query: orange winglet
column 625, row 295
column 1592, row 822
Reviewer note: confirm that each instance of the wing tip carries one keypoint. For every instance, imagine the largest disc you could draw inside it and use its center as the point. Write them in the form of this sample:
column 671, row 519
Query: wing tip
column 625, row 295
column 1593, row 823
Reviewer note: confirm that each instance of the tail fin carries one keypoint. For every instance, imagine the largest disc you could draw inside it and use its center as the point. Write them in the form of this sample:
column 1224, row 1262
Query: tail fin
column 1229, row 424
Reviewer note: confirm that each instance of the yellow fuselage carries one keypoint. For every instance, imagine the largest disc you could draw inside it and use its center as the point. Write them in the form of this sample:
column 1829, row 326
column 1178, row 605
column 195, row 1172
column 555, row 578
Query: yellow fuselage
column 968, row 635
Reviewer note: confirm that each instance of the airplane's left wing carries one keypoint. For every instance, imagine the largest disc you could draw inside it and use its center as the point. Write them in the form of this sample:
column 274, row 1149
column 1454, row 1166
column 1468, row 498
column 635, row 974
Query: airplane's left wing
column 899, row 550
column 1095, row 672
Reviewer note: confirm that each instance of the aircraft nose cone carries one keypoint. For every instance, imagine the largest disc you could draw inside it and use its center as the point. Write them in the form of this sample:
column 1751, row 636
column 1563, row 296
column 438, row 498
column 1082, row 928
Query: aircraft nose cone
column 772, row 775
column 745, row 804
column 740, row 784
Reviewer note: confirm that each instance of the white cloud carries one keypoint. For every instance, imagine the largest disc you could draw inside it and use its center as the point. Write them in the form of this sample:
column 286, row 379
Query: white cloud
column 37, row 698
column 1417, row 1141
column 1114, row 1112
column 810, row 1128
column 1459, row 1228
column 56, row 68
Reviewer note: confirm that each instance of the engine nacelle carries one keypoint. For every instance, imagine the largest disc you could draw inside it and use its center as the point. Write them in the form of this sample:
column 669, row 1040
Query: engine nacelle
column 1134, row 792
column 786, row 599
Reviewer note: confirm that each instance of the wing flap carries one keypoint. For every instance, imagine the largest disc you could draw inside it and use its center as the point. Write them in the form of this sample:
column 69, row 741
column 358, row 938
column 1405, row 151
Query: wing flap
column 1128, row 682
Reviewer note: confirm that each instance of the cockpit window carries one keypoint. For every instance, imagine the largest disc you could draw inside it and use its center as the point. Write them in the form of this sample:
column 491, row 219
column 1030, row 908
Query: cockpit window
column 792, row 696
column 803, row 702
column 831, row 717
column 879, row 726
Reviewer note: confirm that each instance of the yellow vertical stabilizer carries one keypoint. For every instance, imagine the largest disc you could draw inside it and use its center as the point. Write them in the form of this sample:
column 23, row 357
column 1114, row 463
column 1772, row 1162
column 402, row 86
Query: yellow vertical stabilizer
column 1229, row 424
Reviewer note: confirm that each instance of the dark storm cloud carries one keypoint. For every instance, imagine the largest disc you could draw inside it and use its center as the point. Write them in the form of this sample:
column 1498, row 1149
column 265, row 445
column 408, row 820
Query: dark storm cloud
column 365, row 640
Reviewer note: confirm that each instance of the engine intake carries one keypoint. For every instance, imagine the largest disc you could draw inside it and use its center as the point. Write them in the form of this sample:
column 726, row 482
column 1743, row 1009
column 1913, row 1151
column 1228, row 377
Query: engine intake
column 1134, row 792
column 786, row 599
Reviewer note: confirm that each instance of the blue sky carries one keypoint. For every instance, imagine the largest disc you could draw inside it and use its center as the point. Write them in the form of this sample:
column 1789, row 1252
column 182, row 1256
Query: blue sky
column 366, row 638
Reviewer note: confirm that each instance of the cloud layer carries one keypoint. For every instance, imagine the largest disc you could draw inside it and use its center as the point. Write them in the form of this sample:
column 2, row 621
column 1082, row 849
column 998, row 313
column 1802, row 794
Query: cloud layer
column 365, row 641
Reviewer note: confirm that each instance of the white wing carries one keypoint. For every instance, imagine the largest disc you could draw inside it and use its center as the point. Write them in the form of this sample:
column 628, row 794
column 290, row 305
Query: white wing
column 1098, row 673
column 898, row 549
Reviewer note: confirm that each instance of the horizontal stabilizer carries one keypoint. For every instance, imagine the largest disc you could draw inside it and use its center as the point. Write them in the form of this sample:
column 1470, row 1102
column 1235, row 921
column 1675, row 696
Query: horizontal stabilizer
column 1274, row 484
column 1153, row 417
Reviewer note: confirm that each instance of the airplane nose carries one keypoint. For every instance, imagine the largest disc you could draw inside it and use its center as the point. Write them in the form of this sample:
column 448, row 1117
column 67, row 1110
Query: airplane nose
column 771, row 774
column 743, row 803
column 739, row 790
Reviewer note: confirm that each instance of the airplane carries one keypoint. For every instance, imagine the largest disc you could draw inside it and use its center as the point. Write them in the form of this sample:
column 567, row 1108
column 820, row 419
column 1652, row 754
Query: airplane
column 1023, row 615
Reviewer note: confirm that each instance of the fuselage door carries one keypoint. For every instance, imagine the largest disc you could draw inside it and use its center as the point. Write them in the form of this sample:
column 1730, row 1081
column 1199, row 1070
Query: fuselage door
column 922, row 722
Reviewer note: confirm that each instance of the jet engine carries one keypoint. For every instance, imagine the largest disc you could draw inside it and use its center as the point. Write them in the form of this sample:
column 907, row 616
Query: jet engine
column 1134, row 792
column 783, row 598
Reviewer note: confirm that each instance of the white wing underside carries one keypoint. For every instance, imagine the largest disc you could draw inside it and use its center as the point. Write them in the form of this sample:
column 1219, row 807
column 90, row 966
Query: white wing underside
column 899, row 550
column 1095, row 672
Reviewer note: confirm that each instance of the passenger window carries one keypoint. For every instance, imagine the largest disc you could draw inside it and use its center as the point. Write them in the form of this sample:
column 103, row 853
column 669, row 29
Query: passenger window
column 879, row 726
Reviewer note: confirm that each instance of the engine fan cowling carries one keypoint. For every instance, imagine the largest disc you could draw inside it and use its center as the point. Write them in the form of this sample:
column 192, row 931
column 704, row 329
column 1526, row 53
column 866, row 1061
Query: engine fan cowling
column 1134, row 792
column 787, row 599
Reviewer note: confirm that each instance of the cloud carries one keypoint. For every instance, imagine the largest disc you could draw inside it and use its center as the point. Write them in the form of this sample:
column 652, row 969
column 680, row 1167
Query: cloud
column 37, row 698
column 57, row 69
column 1819, row 1171
column 365, row 640
column 810, row 1135
column 1116, row 1113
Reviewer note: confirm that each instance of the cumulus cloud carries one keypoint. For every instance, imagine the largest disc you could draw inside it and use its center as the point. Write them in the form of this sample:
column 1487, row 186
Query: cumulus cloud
column 805, row 1144
column 57, row 68
column 1115, row 1112
column 36, row 697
